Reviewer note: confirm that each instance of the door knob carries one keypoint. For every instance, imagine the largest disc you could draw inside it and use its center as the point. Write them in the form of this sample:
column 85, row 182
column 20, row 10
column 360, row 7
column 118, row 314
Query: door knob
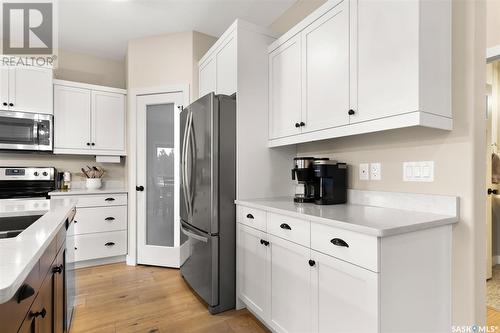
column 491, row 191
column 139, row 188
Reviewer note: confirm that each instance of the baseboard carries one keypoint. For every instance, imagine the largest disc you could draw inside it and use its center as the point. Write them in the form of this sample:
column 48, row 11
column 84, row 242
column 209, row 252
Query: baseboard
column 130, row 261
column 98, row 262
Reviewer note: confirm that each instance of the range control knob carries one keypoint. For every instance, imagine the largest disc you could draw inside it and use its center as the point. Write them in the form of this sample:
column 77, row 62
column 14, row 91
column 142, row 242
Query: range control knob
column 36, row 173
column 45, row 173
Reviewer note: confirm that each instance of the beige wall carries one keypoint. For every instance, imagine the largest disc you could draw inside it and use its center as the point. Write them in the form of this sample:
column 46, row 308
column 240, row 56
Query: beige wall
column 459, row 156
column 169, row 59
column 493, row 23
column 90, row 69
column 295, row 14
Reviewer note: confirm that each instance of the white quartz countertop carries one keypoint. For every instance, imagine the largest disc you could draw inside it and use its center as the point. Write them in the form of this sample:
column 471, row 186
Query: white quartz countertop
column 19, row 255
column 370, row 220
column 83, row 191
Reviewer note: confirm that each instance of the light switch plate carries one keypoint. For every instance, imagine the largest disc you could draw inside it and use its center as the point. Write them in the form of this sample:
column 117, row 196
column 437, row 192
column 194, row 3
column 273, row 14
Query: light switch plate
column 364, row 171
column 418, row 171
column 375, row 171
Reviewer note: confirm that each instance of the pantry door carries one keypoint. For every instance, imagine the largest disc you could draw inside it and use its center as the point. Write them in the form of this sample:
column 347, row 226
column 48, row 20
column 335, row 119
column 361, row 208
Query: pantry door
column 158, row 219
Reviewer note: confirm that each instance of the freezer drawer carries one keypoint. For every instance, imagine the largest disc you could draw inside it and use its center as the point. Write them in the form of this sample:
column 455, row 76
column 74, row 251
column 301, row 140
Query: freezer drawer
column 200, row 270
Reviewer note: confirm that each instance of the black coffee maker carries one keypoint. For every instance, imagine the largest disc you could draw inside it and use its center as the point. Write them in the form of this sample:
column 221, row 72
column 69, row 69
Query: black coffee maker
column 306, row 188
column 332, row 182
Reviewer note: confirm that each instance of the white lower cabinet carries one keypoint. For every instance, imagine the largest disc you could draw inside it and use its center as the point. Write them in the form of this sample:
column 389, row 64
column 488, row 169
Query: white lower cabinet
column 290, row 286
column 344, row 281
column 100, row 227
column 253, row 269
column 345, row 296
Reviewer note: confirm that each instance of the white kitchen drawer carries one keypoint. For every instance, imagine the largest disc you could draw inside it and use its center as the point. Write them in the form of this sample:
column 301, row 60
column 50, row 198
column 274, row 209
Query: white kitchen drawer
column 93, row 246
column 96, row 200
column 356, row 248
column 100, row 219
column 289, row 228
column 251, row 217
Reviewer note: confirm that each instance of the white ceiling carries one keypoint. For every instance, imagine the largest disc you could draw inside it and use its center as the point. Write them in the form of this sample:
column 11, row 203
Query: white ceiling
column 103, row 27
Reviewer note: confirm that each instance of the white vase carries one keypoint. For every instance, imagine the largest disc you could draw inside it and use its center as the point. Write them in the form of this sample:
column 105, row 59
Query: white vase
column 93, row 183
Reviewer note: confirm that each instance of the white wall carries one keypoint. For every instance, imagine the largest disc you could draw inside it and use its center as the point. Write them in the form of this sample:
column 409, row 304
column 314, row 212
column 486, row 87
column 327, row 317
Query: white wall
column 459, row 156
column 493, row 23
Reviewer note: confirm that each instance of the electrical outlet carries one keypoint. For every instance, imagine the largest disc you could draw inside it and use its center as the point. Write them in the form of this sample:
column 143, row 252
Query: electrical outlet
column 364, row 171
column 375, row 171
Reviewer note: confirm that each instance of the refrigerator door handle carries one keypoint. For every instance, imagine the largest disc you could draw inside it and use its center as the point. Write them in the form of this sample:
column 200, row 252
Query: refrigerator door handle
column 184, row 162
column 193, row 235
column 192, row 163
column 188, row 167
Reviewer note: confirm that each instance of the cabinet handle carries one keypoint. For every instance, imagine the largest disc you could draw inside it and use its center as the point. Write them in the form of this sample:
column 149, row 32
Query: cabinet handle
column 76, row 248
column 88, row 143
column 11, row 104
column 26, row 291
column 5, row 104
column 302, row 124
column 285, row 226
column 312, row 263
column 109, row 244
column 110, row 218
column 75, row 221
column 109, row 199
column 250, row 216
column 42, row 313
column 351, row 112
column 58, row 269
column 93, row 144
column 297, row 125
column 264, row 242
column 491, row 191
column 139, row 188
column 339, row 242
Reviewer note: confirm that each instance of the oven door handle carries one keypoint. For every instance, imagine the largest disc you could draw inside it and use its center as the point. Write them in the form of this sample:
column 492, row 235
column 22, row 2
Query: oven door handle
column 193, row 235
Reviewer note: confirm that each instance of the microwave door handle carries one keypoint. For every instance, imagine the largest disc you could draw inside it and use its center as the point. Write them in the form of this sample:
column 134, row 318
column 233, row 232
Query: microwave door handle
column 36, row 138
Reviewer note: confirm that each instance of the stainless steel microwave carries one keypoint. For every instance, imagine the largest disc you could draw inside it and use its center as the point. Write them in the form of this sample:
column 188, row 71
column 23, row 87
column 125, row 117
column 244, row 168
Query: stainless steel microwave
column 25, row 131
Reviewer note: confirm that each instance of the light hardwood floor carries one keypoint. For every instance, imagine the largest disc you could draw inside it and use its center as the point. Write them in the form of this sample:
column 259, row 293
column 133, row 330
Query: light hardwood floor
column 493, row 317
column 120, row 298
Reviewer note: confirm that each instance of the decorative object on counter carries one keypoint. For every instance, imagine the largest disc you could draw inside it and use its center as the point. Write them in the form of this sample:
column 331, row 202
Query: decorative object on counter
column 60, row 180
column 319, row 180
column 66, row 180
column 94, row 177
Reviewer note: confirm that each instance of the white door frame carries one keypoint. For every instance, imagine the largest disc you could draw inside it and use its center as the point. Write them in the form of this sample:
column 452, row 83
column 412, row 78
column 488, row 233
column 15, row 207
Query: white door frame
column 132, row 157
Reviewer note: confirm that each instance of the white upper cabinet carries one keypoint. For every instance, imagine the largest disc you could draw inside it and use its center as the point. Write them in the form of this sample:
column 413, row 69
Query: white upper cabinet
column 72, row 118
column 88, row 119
column 207, row 77
column 108, row 114
column 285, row 89
column 325, row 49
column 26, row 89
column 367, row 66
column 226, row 68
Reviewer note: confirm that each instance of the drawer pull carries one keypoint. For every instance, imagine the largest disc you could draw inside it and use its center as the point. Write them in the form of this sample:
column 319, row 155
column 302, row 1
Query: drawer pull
column 109, row 244
column 42, row 313
column 339, row 242
column 285, row 226
column 26, row 291
column 264, row 242
column 109, row 199
column 110, row 218
column 250, row 216
column 57, row 269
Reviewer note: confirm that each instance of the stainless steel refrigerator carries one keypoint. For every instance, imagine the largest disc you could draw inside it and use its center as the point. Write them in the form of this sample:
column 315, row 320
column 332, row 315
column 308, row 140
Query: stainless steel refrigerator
column 208, row 189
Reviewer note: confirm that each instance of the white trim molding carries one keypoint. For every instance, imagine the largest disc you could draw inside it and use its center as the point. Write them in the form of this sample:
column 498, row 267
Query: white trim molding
column 493, row 53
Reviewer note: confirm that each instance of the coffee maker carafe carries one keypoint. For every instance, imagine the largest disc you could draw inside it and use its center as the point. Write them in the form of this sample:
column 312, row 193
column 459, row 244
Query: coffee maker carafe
column 306, row 187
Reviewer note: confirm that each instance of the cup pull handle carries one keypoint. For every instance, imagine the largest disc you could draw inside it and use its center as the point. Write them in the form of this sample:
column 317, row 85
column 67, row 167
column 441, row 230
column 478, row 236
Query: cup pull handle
column 285, row 226
column 109, row 244
column 339, row 242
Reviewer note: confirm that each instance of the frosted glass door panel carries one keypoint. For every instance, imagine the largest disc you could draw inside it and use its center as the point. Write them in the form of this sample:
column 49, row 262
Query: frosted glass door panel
column 160, row 175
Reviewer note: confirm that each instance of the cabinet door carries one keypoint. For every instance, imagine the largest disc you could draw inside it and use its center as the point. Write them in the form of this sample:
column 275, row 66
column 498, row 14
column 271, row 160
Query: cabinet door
column 30, row 89
column 345, row 296
column 71, row 118
column 208, row 80
column 4, row 87
column 28, row 325
column 387, row 68
column 226, row 68
column 291, row 307
column 108, row 121
column 325, row 59
column 253, row 270
column 285, row 91
column 44, row 303
column 58, row 291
